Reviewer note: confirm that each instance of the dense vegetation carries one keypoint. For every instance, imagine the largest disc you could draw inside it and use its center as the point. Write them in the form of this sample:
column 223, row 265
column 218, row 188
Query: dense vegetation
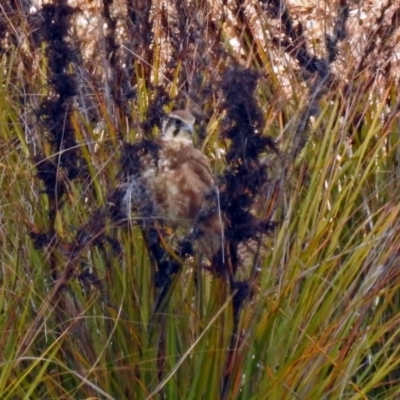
column 298, row 110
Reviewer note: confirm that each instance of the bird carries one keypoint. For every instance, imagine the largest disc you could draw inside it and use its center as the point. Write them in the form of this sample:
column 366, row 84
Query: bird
column 181, row 184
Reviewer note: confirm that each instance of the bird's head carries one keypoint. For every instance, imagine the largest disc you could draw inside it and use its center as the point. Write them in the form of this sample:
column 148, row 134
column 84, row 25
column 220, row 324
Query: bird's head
column 178, row 125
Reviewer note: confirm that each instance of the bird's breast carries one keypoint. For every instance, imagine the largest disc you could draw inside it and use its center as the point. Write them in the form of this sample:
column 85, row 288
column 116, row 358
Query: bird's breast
column 177, row 189
column 175, row 197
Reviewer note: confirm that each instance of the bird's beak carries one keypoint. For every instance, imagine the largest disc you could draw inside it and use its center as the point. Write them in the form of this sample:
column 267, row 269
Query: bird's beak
column 188, row 129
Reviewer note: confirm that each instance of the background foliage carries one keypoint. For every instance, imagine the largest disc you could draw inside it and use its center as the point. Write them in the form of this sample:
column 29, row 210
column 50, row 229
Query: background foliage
column 297, row 107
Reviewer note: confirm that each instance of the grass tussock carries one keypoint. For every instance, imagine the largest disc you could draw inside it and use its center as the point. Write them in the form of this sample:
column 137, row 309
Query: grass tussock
column 299, row 120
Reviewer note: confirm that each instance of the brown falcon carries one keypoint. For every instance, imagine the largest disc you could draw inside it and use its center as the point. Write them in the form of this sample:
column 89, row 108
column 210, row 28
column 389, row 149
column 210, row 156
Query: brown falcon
column 180, row 183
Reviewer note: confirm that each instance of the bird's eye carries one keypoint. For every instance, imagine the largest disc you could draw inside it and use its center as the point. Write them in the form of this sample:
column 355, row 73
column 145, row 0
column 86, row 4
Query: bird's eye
column 178, row 122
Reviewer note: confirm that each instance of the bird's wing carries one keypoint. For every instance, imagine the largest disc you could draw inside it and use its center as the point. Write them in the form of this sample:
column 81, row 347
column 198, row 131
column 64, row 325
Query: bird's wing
column 200, row 165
